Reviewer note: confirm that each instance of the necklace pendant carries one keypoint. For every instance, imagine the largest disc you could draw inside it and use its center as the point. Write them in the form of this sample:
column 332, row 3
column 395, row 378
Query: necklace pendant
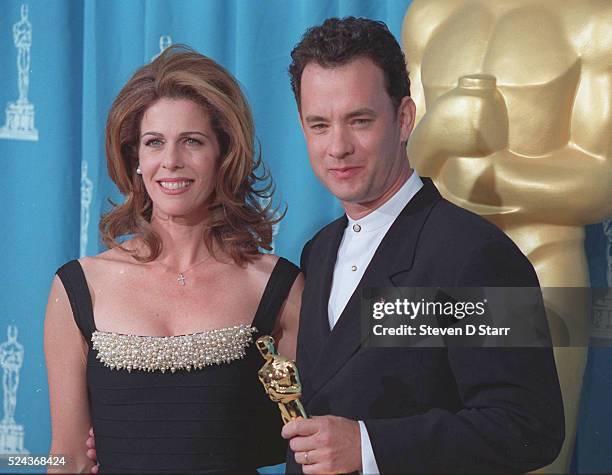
column 181, row 279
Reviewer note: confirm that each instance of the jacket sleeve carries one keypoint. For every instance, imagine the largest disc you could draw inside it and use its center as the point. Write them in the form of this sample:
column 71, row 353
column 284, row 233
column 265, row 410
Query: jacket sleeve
column 305, row 256
column 511, row 419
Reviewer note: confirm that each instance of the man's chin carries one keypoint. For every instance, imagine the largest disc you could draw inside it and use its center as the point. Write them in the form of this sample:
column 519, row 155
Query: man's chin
column 344, row 191
column 349, row 197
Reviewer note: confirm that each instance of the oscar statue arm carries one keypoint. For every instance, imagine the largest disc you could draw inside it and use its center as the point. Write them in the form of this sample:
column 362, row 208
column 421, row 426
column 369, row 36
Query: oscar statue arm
column 280, row 388
column 462, row 143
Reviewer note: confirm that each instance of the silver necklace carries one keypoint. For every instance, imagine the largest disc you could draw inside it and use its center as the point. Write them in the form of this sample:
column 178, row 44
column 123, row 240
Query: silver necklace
column 181, row 275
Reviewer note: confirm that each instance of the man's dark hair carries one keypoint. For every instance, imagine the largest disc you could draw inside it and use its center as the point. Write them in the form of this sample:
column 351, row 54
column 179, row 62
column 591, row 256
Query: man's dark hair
column 340, row 40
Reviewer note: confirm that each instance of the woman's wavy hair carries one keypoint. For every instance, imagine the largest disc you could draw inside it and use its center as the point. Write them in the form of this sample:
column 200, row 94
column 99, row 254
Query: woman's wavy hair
column 240, row 224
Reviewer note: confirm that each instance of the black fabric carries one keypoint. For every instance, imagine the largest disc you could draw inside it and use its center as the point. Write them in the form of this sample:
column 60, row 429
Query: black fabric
column 429, row 410
column 274, row 296
column 214, row 420
column 72, row 277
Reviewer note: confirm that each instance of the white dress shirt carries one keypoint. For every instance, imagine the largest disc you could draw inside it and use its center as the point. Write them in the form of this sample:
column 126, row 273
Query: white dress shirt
column 359, row 243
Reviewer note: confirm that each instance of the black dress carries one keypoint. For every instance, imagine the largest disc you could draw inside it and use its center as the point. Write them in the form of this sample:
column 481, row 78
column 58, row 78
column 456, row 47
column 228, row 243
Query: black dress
column 216, row 419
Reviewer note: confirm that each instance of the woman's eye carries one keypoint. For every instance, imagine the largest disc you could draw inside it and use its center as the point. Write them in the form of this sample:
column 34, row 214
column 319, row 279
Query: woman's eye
column 192, row 141
column 153, row 143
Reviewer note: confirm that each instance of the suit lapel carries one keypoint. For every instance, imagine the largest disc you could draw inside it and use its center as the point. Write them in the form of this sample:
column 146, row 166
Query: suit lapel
column 394, row 256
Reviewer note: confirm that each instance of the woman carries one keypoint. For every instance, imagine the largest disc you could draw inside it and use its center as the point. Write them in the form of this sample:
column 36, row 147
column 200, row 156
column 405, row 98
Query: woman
column 166, row 372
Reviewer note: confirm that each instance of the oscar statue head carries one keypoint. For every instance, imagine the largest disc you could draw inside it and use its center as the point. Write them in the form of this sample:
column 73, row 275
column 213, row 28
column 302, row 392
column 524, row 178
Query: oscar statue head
column 265, row 345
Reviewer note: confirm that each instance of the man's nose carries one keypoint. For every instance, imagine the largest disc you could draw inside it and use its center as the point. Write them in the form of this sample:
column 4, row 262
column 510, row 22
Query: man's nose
column 172, row 157
column 340, row 143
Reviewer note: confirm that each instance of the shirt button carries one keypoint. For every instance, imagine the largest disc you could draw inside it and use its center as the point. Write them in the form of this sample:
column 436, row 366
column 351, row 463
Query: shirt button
column 353, row 268
column 356, row 228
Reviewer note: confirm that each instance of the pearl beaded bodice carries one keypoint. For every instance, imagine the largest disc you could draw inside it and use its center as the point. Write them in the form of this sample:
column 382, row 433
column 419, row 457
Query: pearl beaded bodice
column 172, row 353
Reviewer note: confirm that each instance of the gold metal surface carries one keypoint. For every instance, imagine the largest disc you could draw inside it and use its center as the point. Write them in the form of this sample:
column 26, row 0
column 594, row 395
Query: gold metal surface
column 514, row 103
column 280, row 379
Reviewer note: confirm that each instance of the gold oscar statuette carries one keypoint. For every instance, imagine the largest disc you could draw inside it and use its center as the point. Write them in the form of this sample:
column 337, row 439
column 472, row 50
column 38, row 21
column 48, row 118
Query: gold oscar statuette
column 280, row 379
column 514, row 120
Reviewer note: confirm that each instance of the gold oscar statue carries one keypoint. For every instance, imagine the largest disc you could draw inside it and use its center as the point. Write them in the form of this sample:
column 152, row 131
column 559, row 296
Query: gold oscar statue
column 281, row 381
column 514, row 103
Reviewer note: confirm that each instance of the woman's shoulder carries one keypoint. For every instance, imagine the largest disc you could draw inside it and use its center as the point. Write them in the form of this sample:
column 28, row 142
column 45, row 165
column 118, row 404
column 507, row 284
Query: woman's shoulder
column 285, row 271
column 266, row 264
column 109, row 259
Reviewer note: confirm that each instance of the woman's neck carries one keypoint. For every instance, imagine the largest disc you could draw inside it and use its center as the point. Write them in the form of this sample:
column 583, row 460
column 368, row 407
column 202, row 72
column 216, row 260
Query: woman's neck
column 182, row 241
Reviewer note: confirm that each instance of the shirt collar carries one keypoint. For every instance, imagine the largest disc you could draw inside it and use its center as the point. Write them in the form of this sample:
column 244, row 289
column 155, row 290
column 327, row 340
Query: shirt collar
column 390, row 210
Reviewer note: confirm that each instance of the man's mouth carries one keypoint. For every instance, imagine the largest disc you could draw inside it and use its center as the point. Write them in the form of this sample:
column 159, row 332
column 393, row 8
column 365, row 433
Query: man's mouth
column 344, row 172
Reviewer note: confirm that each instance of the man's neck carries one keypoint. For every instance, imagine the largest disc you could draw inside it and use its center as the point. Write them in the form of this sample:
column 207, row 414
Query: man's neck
column 358, row 211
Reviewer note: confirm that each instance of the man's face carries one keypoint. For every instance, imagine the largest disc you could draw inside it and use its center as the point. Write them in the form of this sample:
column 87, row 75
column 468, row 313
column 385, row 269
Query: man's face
column 353, row 133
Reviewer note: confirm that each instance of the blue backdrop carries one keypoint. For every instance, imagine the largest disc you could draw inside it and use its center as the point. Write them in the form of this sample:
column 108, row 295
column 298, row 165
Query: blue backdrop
column 78, row 54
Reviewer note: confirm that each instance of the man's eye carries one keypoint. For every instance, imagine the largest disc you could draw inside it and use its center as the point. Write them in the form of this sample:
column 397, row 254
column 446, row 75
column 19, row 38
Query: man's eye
column 362, row 122
column 318, row 127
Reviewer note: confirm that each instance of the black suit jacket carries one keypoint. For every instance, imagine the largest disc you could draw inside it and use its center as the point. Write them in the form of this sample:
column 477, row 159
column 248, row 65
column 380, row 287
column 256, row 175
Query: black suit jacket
column 434, row 409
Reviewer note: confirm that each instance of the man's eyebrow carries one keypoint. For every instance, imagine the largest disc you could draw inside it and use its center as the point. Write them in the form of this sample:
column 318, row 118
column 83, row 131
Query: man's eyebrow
column 364, row 111
column 315, row 118
column 361, row 112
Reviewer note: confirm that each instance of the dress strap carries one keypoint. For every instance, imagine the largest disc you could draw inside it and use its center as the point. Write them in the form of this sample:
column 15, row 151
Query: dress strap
column 274, row 296
column 73, row 278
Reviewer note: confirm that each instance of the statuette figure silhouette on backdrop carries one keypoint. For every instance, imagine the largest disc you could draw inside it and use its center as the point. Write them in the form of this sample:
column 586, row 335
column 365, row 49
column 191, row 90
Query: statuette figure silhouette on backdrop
column 20, row 114
column 11, row 359
column 165, row 41
column 86, row 198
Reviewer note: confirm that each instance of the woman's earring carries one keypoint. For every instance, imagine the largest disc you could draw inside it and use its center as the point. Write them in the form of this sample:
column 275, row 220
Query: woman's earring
column 138, row 170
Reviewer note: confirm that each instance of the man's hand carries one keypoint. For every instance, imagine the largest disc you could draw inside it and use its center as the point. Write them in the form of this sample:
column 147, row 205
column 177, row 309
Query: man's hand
column 91, row 451
column 325, row 444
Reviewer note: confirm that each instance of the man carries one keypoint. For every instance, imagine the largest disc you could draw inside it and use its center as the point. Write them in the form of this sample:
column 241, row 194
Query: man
column 399, row 410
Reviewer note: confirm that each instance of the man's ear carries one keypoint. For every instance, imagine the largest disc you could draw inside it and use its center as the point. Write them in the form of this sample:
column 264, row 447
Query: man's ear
column 406, row 114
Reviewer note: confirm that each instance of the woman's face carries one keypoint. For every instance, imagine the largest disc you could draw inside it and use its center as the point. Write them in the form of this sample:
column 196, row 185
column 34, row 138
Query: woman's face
column 179, row 154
